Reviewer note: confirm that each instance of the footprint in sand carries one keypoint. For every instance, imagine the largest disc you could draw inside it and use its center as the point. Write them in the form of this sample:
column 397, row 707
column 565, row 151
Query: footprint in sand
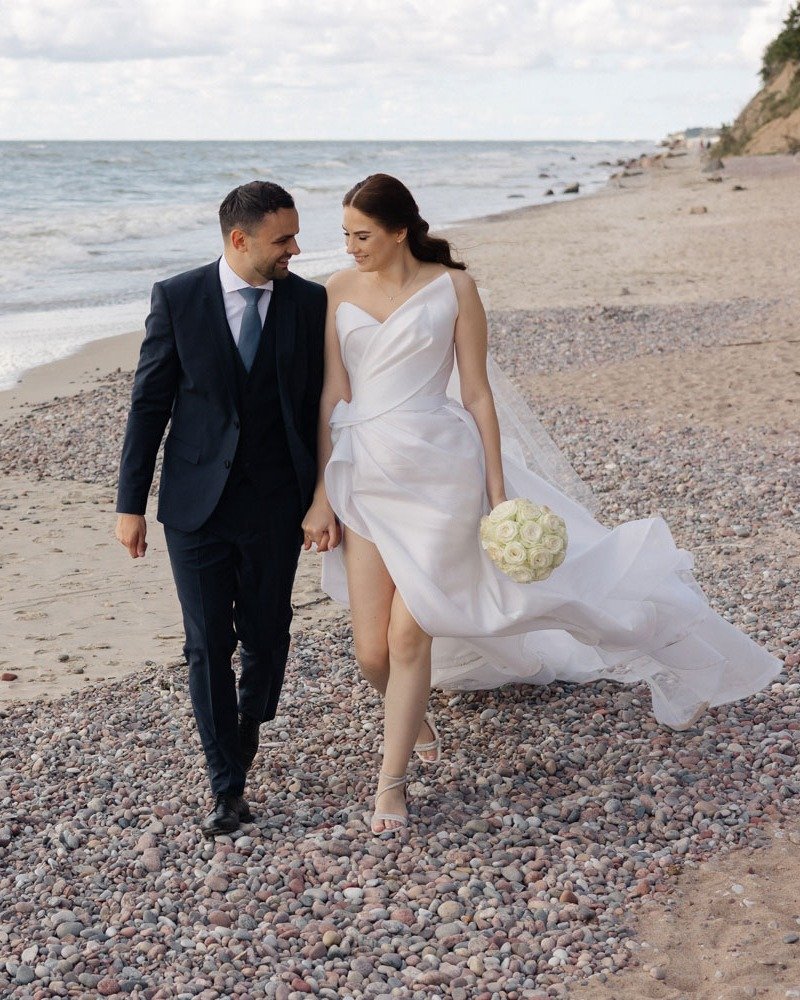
column 30, row 616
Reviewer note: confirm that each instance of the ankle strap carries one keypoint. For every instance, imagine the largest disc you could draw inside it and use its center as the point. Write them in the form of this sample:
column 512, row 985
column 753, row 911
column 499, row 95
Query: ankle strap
column 392, row 782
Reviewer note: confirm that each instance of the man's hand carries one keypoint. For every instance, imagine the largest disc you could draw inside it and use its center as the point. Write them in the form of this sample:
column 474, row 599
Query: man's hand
column 131, row 532
column 320, row 527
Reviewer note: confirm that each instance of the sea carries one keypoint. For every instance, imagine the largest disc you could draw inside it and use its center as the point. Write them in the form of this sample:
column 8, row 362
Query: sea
column 87, row 227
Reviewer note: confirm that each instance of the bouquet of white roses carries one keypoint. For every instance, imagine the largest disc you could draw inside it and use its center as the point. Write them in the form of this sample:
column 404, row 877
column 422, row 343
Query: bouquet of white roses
column 524, row 540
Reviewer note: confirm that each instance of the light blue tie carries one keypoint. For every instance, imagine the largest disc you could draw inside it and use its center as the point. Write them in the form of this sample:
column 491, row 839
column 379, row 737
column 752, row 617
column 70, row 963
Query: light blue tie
column 250, row 333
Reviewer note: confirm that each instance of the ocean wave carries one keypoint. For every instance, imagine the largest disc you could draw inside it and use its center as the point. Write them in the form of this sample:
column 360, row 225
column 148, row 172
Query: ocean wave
column 107, row 219
column 106, row 224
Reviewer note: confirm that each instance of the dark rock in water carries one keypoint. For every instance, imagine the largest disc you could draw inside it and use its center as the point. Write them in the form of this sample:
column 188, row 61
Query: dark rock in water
column 572, row 157
column 572, row 188
column 714, row 180
column 515, row 196
column 712, row 166
column 549, row 193
column 738, row 187
column 543, row 175
column 605, row 163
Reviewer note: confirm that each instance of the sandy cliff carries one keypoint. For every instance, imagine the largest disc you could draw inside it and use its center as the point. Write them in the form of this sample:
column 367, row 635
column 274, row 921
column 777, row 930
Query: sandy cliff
column 770, row 123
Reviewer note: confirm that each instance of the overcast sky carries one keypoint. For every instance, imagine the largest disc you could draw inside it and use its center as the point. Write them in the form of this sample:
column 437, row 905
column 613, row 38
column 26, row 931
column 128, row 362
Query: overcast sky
column 377, row 69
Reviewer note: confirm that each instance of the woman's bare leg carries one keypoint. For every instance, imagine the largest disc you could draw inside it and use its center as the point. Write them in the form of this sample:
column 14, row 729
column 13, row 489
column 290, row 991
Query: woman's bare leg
column 407, row 696
column 394, row 655
column 371, row 592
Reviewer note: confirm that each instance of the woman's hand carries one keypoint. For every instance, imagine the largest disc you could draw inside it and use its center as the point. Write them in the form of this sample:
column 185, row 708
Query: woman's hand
column 320, row 527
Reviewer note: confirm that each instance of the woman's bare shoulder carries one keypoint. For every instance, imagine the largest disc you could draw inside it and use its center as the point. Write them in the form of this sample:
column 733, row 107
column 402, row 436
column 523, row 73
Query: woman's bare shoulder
column 464, row 284
column 340, row 280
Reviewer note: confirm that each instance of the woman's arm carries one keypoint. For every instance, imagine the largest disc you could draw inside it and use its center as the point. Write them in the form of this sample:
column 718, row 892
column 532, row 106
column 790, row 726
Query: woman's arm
column 476, row 394
column 320, row 525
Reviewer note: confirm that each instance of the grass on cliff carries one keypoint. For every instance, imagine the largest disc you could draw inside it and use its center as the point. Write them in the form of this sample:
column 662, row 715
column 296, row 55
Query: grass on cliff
column 785, row 48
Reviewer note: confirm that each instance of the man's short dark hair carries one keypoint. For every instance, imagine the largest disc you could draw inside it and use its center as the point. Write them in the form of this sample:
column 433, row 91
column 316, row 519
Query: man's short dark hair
column 246, row 205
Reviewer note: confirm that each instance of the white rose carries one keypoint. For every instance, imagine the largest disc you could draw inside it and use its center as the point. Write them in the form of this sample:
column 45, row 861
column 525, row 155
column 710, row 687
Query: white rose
column 559, row 558
column 503, row 511
column 522, row 575
column 528, row 511
column 540, row 559
column 539, row 575
column 494, row 552
column 553, row 544
column 505, row 531
column 552, row 522
column 486, row 531
column 514, row 554
column 530, row 533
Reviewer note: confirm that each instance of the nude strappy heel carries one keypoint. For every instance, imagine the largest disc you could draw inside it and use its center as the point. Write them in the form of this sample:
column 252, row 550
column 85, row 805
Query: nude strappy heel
column 434, row 745
column 384, row 816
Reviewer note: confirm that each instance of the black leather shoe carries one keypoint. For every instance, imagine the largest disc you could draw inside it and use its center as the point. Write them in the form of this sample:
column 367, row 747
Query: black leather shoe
column 230, row 811
column 248, row 740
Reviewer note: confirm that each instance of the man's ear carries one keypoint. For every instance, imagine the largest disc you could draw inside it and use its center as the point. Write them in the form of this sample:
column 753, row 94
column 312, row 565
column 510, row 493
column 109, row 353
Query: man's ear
column 238, row 239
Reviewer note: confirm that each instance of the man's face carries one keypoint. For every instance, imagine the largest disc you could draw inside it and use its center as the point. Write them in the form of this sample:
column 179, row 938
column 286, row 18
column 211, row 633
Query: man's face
column 266, row 251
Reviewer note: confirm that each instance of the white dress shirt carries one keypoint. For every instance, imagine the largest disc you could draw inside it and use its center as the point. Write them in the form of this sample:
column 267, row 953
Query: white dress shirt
column 235, row 303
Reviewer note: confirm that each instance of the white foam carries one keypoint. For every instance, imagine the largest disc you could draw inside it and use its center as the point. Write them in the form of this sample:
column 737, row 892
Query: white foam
column 28, row 340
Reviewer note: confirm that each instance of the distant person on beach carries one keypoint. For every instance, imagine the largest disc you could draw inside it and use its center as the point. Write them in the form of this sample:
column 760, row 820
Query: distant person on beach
column 232, row 359
column 411, row 456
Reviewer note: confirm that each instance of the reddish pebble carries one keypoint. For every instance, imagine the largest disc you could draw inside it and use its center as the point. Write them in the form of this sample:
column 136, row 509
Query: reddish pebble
column 219, row 919
column 7, row 676
column 151, row 859
column 568, row 897
column 403, row 916
column 108, row 987
column 301, row 985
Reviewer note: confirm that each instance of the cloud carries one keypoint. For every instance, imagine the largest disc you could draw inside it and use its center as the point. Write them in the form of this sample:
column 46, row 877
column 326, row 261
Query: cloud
column 384, row 36
column 763, row 24
column 204, row 68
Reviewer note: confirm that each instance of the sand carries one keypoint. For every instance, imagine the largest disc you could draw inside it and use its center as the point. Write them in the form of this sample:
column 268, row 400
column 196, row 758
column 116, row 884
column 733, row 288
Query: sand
column 75, row 608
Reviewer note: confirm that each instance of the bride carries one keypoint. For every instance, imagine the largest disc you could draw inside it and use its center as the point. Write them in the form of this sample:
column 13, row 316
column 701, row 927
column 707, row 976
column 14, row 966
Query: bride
column 411, row 455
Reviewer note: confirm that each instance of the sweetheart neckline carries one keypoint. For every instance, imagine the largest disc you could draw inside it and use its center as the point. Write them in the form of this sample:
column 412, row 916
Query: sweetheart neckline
column 419, row 291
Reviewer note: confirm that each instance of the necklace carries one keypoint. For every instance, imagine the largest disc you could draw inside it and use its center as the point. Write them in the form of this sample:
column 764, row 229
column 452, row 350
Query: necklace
column 402, row 288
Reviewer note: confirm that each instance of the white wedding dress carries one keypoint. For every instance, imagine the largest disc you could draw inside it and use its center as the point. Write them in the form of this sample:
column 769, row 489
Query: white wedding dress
column 407, row 472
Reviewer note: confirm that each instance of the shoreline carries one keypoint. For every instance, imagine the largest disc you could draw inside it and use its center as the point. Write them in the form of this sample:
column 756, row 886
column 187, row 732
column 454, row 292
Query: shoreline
column 71, row 374
column 76, row 369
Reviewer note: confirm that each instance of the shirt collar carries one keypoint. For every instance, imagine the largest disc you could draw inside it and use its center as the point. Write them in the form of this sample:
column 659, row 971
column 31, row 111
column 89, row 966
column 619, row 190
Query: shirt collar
column 230, row 280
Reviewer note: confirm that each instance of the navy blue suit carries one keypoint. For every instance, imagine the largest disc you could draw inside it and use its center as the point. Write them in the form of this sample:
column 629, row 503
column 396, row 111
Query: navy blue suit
column 238, row 474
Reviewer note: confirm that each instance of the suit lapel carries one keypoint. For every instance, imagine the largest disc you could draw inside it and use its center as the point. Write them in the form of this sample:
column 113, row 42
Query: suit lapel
column 285, row 333
column 220, row 331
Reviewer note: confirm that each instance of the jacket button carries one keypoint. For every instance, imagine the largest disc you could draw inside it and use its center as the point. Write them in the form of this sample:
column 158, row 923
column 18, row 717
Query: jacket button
column 227, row 463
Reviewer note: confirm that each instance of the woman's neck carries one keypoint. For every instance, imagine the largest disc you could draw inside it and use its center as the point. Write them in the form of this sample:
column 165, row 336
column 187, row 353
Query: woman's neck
column 399, row 272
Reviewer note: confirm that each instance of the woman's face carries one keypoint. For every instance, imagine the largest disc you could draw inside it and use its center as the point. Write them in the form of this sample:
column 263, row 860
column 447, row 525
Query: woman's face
column 372, row 247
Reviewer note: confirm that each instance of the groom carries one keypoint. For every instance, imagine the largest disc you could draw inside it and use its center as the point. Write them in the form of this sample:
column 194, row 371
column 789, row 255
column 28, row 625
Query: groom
column 232, row 358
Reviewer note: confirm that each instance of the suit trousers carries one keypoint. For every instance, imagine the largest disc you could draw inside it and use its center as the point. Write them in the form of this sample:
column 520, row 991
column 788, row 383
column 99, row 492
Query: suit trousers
column 234, row 578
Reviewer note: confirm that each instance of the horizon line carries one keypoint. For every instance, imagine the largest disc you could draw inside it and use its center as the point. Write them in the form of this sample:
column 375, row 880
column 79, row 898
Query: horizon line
column 312, row 140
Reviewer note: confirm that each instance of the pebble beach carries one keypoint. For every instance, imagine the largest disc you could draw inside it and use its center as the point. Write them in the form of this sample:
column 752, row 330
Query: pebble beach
column 566, row 845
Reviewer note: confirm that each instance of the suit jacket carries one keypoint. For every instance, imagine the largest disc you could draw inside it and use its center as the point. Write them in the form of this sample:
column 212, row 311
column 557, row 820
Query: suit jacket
column 186, row 376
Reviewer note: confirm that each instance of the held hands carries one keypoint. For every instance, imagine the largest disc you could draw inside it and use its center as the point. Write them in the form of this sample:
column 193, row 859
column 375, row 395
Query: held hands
column 320, row 527
column 131, row 532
